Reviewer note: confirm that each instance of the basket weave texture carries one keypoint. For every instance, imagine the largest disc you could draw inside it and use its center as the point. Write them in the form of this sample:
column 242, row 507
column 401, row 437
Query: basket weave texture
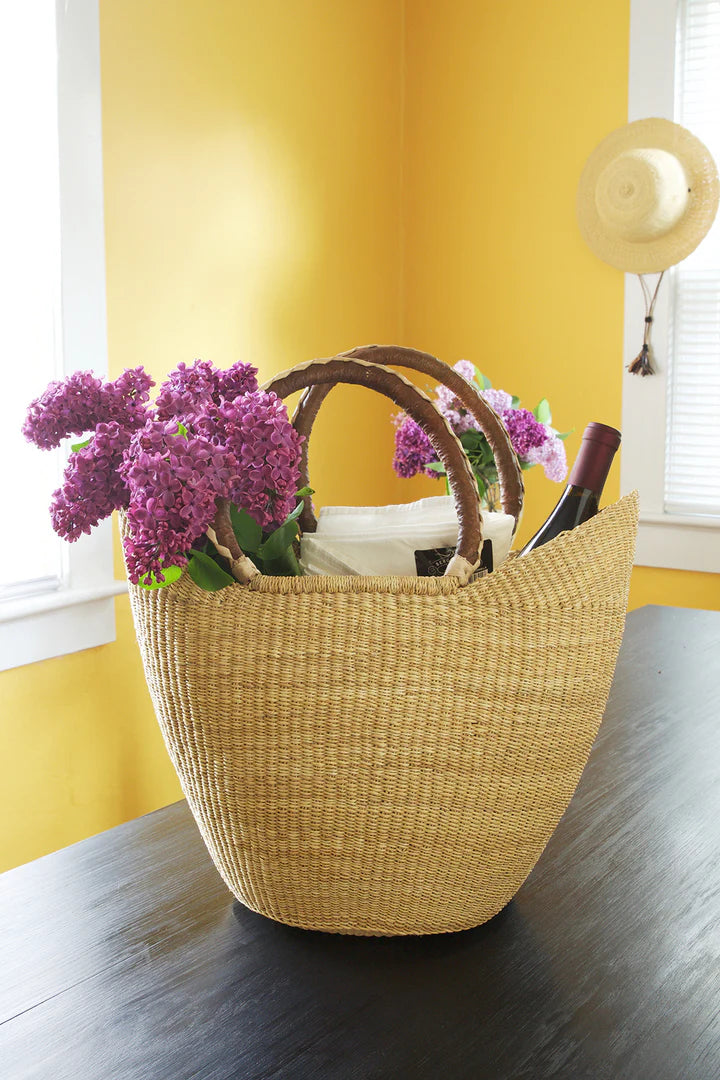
column 388, row 755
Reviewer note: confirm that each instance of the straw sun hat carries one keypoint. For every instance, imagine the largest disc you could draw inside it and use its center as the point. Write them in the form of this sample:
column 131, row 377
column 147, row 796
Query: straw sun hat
column 647, row 196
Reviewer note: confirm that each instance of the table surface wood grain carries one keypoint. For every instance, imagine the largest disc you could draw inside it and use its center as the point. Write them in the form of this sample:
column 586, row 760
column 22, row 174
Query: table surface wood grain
column 125, row 958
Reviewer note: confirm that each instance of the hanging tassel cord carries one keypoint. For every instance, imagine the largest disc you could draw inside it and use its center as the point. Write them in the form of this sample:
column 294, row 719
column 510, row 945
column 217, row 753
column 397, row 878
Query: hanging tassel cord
column 642, row 364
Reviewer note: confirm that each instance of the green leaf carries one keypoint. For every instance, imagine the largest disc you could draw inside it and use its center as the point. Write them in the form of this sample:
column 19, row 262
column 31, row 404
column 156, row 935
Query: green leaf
column 473, row 440
column 304, row 491
column 542, row 412
column 295, row 514
column 247, row 531
column 181, row 431
column 206, row 573
column 286, row 566
column 437, row 467
column 80, row 445
column 482, row 380
column 150, row 581
column 564, row 434
column 279, row 541
column 515, row 402
column 481, row 485
column 488, row 472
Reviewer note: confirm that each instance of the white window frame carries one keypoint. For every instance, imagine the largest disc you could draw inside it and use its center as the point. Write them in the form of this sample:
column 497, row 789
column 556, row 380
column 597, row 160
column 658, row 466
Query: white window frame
column 667, row 540
column 80, row 613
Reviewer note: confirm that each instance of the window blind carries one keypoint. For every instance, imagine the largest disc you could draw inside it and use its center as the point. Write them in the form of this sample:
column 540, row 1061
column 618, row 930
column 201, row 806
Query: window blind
column 692, row 460
column 30, row 553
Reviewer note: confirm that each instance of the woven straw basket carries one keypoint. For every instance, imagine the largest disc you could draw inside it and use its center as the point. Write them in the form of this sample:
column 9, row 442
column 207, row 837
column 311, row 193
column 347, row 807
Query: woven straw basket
column 390, row 755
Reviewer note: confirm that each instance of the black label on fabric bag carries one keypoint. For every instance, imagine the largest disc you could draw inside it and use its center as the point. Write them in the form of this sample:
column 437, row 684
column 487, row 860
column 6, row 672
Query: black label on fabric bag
column 432, row 562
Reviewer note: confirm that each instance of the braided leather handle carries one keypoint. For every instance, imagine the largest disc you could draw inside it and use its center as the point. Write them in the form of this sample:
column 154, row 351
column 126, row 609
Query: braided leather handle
column 340, row 369
column 417, row 405
column 509, row 471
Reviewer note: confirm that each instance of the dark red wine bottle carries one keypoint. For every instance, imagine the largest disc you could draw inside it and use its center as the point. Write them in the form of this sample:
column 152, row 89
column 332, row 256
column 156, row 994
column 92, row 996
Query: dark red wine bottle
column 581, row 497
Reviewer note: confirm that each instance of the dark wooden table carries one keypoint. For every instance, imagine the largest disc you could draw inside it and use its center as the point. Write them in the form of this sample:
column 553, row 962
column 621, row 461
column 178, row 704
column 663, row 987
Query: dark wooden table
column 124, row 956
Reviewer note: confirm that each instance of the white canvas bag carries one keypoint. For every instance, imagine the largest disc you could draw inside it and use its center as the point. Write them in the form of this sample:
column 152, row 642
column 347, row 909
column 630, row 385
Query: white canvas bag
column 383, row 540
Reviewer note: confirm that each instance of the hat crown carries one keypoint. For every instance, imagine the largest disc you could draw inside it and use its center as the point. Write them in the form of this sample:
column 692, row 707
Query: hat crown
column 634, row 207
column 642, row 194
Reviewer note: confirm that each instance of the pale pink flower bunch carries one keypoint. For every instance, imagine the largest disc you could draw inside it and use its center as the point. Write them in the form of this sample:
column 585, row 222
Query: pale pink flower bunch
column 535, row 442
column 553, row 458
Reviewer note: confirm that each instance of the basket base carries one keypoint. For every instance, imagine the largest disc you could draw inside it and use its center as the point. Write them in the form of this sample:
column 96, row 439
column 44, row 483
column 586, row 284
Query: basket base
column 240, row 911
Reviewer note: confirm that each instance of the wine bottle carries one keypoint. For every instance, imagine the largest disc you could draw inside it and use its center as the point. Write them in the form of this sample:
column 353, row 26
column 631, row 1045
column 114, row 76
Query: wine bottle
column 581, row 497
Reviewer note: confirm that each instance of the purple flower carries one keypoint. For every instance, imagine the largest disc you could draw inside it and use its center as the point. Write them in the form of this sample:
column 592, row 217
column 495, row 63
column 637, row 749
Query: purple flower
column 256, row 429
column 413, row 449
column 69, row 406
column 533, row 442
column 551, row 455
column 239, row 379
column 526, row 433
column 173, row 482
column 125, row 399
column 78, row 403
column 92, row 486
column 237, row 442
column 187, row 391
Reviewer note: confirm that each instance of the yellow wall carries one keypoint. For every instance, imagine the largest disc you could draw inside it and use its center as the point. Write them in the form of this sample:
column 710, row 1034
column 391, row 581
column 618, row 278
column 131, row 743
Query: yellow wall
column 252, row 158
column 287, row 179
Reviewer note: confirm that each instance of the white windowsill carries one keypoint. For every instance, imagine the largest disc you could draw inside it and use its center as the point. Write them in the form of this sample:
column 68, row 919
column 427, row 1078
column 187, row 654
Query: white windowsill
column 682, row 521
column 58, row 598
column 678, row 542
column 54, row 624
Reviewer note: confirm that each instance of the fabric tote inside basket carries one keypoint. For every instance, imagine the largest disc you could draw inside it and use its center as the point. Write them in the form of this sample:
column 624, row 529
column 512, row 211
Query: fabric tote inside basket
column 397, row 540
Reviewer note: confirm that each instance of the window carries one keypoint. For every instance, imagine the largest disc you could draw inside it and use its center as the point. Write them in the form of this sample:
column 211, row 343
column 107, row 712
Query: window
column 54, row 598
column 692, row 465
column 30, row 288
column 671, row 421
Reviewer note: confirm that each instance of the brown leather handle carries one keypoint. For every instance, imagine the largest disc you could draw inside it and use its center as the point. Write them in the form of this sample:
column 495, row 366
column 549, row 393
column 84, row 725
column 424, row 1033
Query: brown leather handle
column 509, row 471
column 337, row 369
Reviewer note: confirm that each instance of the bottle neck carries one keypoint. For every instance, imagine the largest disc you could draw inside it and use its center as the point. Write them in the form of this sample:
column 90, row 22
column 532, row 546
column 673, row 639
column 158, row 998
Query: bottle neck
column 594, row 459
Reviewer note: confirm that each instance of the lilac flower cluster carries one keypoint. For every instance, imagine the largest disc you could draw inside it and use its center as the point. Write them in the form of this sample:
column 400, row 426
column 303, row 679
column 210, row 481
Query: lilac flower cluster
column 92, row 485
column 551, row 455
column 210, row 434
column 498, row 400
column 256, row 429
column 125, row 399
column 189, row 390
column 77, row 404
column 413, row 449
column 535, row 443
column 172, row 483
column 526, row 433
column 459, row 418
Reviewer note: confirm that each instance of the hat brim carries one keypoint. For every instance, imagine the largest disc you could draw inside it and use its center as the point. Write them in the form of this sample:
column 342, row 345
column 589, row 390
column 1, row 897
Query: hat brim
column 646, row 257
